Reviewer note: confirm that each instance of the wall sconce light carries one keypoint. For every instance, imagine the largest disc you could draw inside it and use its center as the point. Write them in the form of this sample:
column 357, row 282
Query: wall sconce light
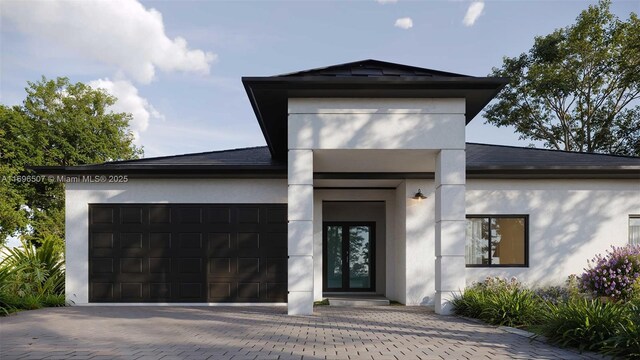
column 419, row 195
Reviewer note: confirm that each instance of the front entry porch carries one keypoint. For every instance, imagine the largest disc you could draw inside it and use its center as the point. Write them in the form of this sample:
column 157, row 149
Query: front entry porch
column 373, row 156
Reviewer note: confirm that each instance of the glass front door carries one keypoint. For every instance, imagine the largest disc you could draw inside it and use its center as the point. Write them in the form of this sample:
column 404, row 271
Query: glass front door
column 349, row 253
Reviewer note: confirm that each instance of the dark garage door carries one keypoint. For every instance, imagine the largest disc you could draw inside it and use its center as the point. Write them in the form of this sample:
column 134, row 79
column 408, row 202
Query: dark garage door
column 187, row 253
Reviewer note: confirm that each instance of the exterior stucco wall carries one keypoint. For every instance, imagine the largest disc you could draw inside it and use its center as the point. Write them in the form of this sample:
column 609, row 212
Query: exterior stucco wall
column 420, row 247
column 80, row 195
column 569, row 221
column 376, row 123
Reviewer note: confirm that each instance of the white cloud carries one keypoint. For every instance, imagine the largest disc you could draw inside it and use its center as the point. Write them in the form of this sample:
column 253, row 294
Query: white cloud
column 121, row 33
column 386, row 1
column 473, row 13
column 129, row 101
column 404, row 23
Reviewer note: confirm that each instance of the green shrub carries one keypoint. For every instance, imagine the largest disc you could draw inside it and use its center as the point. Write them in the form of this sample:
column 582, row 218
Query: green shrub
column 7, row 303
column 516, row 307
column 29, row 302
column 614, row 274
column 31, row 277
column 626, row 342
column 30, row 270
column 500, row 302
column 471, row 302
column 584, row 323
column 53, row 300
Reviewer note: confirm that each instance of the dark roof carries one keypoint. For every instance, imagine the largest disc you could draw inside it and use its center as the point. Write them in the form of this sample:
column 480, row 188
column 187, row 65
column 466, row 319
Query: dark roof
column 490, row 161
column 483, row 161
column 371, row 68
column 252, row 162
column 254, row 156
column 361, row 79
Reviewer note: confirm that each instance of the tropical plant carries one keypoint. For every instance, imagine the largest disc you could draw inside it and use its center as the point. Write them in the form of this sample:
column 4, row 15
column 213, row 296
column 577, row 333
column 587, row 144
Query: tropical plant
column 30, row 270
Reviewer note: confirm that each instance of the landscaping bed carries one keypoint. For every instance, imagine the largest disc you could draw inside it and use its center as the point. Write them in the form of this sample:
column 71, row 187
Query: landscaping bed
column 597, row 311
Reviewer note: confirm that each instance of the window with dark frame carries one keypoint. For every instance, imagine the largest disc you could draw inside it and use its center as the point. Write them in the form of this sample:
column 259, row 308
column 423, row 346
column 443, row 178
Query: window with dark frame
column 497, row 241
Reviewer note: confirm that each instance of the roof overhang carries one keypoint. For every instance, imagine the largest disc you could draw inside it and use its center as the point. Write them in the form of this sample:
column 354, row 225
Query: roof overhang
column 160, row 171
column 269, row 96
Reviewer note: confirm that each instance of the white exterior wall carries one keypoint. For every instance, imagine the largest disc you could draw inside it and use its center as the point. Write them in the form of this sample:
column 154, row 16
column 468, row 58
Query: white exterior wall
column 390, row 124
column 419, row 235
column 570, row 221
column 80, row 195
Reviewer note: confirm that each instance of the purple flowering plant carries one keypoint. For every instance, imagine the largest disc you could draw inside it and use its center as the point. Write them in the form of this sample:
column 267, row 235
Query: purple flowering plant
column 614, row 274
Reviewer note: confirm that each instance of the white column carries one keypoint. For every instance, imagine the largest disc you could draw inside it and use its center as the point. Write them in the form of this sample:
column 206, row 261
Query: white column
column 450, row 227
column 300, row 232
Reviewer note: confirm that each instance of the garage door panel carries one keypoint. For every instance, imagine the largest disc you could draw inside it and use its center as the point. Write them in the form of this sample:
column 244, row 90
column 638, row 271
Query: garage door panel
column 160, row 265
column 248, row 267
column 131, row 241
column 189, row 215
column 275, row 244
column 277, row 292
column 219, row 215
column 160, row 291
column 220, row 244
column 101, row 240
column 187, row 253
column 190, row 241
column 190, row 292
column 131, row 265
column 190, row 266
column 102, row 266
column 131, row 215
column 248, row 245
column 221, row 267
column 220, row 291
column 131, row 291
column 248, row 215
column 102, row 215
column 159, row 242
column 276, row 215
column 248, row 291
column 101, row 290
column 160, row 215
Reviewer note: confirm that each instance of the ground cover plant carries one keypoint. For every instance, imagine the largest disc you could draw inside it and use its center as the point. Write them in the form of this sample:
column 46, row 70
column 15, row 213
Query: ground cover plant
column 598, row 310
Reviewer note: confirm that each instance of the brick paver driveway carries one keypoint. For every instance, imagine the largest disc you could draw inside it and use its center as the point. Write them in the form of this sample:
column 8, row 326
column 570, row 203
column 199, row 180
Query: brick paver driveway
column 258, row 333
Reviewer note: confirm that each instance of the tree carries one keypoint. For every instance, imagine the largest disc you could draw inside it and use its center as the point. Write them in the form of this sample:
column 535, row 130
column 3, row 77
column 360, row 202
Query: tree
column 59, row 124
column 578, row 88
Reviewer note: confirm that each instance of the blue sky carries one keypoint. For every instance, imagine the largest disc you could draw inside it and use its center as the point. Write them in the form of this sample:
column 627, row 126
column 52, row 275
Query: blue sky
column 176, row 65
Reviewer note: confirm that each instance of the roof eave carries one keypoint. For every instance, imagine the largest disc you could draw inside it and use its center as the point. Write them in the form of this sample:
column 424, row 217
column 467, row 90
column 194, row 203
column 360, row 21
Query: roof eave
column 554, row 172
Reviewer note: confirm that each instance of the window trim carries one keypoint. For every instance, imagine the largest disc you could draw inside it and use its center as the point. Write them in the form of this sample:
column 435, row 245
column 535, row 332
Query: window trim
column 526, row 240
column 631, row 216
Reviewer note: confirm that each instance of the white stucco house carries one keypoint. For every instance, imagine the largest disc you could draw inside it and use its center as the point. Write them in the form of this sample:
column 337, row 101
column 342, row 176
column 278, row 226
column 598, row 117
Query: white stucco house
column 366, row 185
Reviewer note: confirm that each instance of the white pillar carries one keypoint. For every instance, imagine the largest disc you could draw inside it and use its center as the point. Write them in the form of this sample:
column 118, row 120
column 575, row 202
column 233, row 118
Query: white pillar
column 450, row 227
column 300, row 232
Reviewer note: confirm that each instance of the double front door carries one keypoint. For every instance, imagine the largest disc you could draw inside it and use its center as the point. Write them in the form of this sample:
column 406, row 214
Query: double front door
column 349, row 256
